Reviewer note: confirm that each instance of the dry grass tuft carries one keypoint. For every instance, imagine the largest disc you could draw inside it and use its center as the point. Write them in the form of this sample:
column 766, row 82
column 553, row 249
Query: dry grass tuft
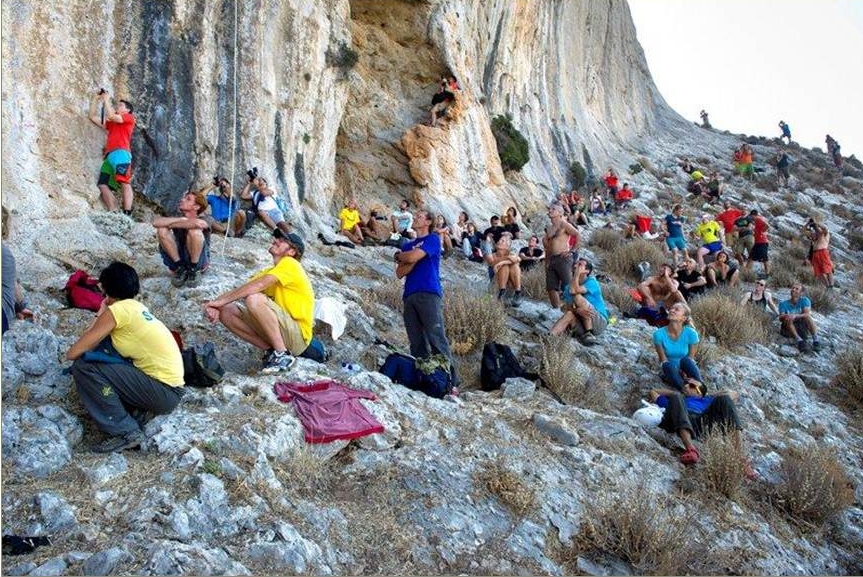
column 814, row 486
column 786, row 269
column 849, row 373
column 606, row 239
column 304, row 472
column 722, row 464
column 509, row 488
column 566, row 377
column 618, row 295
column 622, row 262
column 641, row 528
column 722, row 317
column 533, row 283
column 823, row 299
column 388, row 294
column 473, row 320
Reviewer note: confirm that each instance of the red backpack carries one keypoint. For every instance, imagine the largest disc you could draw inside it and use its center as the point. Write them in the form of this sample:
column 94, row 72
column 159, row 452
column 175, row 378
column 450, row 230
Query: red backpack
column 82, row 291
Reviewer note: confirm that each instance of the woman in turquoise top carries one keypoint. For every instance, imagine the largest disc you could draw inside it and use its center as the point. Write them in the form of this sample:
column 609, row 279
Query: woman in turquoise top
column 676, row 345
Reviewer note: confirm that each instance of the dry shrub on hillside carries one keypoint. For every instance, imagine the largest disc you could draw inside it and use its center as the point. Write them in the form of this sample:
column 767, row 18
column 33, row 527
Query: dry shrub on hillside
column 304, row 471
column 607, row 239
column 517, row 495
column 388, row 294
column 472, row 320
column 855, row 238
column 722, row 317
column 566, row 377
column 813, row 486
column 618, row 295
column 622, row 262
column 823, row 299
column 849, row 373
column 642, row 528
column 786, row 270
column 533, row 283
column 722, row 464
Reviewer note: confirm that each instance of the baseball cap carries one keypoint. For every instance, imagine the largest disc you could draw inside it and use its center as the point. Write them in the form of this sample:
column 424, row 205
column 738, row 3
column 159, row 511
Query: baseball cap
column 292, row 238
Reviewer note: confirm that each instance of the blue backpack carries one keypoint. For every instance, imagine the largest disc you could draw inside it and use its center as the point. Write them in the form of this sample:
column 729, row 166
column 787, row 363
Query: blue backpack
column 316, row 351
column 403, row 369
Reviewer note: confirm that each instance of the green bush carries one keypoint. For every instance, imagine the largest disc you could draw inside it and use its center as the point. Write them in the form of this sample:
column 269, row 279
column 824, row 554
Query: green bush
column 578, row 174
column 345, row 57
column 511, row 145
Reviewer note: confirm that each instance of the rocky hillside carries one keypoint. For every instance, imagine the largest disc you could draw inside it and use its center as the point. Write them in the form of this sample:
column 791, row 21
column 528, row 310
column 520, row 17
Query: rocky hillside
column 511, row 482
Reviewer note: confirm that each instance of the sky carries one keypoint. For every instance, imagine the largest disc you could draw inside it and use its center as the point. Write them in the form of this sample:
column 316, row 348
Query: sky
column 752, row 63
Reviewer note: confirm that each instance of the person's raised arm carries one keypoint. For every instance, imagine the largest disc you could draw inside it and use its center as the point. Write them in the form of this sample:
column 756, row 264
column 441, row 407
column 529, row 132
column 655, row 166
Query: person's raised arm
column 103, row 326
column 95, row 115
column 110, row 113
column 246, row 193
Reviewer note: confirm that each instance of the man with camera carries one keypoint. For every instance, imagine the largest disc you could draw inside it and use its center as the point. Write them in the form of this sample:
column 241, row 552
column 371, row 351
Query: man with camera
column 264, row 205
column 224, row 207
column 116, row 170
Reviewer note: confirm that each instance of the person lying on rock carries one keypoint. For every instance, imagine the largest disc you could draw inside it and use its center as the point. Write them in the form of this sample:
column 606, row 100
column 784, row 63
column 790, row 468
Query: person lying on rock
column 795, row 318
column 676, row 346
column 586, row 315
column 148, row 377
column 691, row 413
column 349, row 222
column 184, row 241
column 505, row 268
column 274, row 310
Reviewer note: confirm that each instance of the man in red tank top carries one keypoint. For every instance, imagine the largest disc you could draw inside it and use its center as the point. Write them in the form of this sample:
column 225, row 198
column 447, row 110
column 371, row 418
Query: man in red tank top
column 116, row 170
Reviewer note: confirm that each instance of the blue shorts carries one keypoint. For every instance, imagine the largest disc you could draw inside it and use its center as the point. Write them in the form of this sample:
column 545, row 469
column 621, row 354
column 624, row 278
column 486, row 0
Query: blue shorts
column 675, row 242
column 713, row 247
column 274, row 213
column 117, row 164
column 180, row 238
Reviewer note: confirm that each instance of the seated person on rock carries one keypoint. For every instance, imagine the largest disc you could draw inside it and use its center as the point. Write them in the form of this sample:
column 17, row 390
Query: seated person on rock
column 711, row 234
column 274, row 310
column 149, row 377
column 264, row 205
column 597, row 204
column 471, row 243
column 661, row 289
column 442, row 229
column 611, row 182
column 458, row 227
column 796, row 321
column 14, row 305
column 686, row 165
column 184, row 241
column 510, row 223
column 403, row 220
column 563, row 201
column 586, row 315
column 224, row 207
column 349, row 222
column 531, row 254
column 676, row 346
column 496, row 230
column 578, row 209
column 690, row 282
column 623, row 197
column 715, row 186
column 505, row 267
column 761, row 298
column 691, row 413
column 374, row 227
column 722, row 271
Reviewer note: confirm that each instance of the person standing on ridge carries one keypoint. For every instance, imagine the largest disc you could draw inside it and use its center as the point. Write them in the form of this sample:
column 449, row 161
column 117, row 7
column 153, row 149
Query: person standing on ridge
column 833, row 149
column 119, row 123
column 786, row 131
column 705, row 122
column 419, row 264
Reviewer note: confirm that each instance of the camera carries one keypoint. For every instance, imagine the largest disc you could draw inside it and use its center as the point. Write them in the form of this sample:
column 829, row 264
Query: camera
column 253, row 173
column 101, row 91
column 217, row 180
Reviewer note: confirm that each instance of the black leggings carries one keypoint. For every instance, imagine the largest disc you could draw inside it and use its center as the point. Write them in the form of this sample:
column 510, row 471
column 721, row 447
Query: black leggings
column 720, row 412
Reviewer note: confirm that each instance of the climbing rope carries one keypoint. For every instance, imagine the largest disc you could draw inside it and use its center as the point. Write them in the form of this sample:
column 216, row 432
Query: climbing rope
column 233, row 142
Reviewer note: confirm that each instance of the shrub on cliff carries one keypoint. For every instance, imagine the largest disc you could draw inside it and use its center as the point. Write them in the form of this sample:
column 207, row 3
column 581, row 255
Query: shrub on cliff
column 721, row 316
column 578, row 174
column 511, row 144
column 814, row 485
column 849, row 373
column 473, row 320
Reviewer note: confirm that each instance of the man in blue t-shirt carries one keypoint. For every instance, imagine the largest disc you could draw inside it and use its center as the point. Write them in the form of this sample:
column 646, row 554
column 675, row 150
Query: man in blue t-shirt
column 586, row 314
column 223, row 207
column 797, row 323
column 419, row 264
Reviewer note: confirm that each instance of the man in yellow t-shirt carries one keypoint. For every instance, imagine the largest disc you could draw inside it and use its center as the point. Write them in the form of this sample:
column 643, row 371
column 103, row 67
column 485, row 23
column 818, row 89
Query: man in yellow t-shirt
column 350, row 222
column 712, row 234
column 277, row 309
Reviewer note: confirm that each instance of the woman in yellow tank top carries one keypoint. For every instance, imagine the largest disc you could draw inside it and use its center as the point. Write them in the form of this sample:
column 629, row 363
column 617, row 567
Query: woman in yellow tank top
column 127, row 360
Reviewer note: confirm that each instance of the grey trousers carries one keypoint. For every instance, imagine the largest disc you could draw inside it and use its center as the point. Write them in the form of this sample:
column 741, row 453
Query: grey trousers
column 109, row 391
column 423, row 318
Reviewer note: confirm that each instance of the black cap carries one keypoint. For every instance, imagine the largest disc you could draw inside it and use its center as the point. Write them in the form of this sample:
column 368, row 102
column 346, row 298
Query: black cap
column 292, row 238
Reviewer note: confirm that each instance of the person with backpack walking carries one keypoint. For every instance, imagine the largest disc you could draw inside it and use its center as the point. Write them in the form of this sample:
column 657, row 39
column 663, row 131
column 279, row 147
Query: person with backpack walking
column 126, row 360
column 119, row 123
column 786, row 131
column 419, row 264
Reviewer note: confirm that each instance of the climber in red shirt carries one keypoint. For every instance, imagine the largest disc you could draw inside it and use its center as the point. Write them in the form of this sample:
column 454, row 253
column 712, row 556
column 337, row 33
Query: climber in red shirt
column 116, row 170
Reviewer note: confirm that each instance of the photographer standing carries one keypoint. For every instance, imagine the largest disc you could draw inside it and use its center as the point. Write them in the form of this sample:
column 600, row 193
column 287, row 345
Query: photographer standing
column 116, row 168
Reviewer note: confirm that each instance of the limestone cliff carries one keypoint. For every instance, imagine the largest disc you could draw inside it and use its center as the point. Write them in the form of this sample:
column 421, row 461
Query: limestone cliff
column 328, row 96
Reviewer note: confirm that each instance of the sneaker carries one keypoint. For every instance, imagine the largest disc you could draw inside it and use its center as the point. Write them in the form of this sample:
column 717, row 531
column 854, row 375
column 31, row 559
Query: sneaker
column 690, row 456
column 516, row 299
column 179, row 277
column 120, row 443
column 816, row 345
column 278, row 362
column 191, row 278
column 801, row 345
column 588, row 339
column 267, row 354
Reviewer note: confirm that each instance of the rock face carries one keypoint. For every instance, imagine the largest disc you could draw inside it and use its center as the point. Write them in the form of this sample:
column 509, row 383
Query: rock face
column 323, row 97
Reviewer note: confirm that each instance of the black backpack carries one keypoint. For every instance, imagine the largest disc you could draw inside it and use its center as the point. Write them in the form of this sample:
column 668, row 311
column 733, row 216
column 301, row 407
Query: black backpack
column 201, row 368
column 498, row 365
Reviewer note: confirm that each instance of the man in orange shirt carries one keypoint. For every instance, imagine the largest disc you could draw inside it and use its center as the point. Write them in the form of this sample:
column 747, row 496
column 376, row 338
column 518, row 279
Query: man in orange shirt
column 116, row 168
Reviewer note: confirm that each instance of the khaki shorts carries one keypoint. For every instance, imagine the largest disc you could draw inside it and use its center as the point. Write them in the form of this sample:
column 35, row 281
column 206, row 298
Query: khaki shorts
column 599, row 324
column 744, row 244
column 290, row 329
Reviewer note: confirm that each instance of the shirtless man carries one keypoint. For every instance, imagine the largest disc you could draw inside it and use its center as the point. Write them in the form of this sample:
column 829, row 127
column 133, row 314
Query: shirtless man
column 661, row 288
column 822, row 266
column 558, row 261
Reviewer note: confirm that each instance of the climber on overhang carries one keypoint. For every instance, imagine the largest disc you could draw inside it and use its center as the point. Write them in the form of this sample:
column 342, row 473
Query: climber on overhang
column 443, row 98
